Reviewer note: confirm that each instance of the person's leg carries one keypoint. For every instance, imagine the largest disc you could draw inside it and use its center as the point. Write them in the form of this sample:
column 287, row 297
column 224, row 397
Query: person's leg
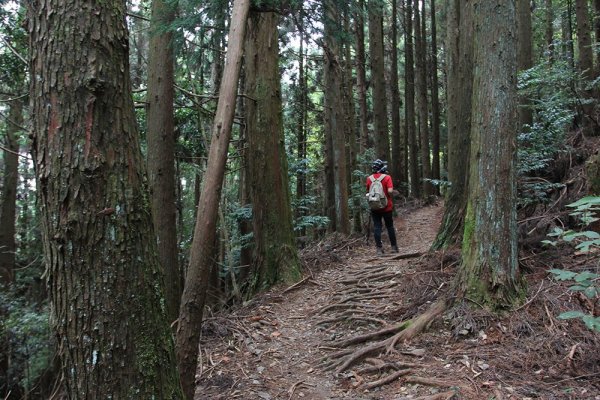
column 377, row 226
column 389, row 224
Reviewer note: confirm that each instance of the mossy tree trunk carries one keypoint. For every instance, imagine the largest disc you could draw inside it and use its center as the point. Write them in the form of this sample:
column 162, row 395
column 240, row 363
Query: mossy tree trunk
column 459, row 87
column 489, row 272
column 275, row 256
column 104, row 278
column 161, row 150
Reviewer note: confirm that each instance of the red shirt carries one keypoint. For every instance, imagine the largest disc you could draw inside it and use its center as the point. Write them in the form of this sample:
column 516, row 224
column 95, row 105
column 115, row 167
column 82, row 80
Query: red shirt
column 387, row 187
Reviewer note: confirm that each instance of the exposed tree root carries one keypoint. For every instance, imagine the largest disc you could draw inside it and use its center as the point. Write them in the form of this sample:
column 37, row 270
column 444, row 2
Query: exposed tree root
column 419, row 323
column 385, row 380
column 439, row 396
column 372, row 335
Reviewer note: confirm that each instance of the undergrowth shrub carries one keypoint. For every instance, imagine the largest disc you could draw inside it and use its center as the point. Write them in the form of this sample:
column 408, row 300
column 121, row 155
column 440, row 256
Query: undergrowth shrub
column 585, row 282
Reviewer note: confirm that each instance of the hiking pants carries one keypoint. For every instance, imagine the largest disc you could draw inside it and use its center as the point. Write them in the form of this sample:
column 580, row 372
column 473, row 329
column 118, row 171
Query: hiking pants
column 377, row 226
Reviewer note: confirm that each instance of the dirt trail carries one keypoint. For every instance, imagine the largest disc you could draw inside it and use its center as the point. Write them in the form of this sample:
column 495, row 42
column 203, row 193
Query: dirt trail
column 280, row 345
column 277, row 343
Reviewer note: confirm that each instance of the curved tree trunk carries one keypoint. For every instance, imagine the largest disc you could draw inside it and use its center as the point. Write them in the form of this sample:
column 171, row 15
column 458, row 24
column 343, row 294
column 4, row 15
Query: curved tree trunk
column 201, row 254
column 161, row 151
column 104, row 277
column 275, row 255
column 489, row 272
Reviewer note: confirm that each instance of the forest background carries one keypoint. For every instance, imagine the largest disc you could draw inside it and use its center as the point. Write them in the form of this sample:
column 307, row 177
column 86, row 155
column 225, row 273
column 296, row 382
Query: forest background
column 163, row 157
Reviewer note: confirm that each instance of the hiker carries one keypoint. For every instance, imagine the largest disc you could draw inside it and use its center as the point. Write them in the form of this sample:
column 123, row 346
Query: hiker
column 379, row 194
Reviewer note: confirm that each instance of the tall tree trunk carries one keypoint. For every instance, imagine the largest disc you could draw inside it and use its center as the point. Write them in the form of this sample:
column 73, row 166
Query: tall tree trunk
column 549, row 29
column 8, row 198
column 459, row 86
column 350, row 123
column 596, row 4
column 201, row 261
column 275, row 255
column 586, row 58
column 409, row 104
column 489, row 271
column 335, row 116
column 435, row 102
column 397, row 142
column 161, row 150
column 567, row 34
column 584, row 40
column 301, row 106
column 380, row 118
column 361, row 80
column 104, row 277
column 421, row 89
column 524, row 57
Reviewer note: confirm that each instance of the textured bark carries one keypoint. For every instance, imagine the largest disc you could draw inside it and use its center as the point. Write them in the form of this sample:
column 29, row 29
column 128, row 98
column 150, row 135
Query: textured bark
column 301, row 106
column 398, row 147
column 489, row 272
column 275, row 255
column 567, row 34
column 201, row 261
column 549, row 29
column 104, row 278
column 584, row 40
column 409, row 70
column 335, row 116
column 380, row 117
column 435, row 102
column 8, row 198
column 524, row 57
column 361, row 80
column 161, row 151
column 596, row 4
column 350, row 124
column 585, row 59
column 459, row 51
column 421, row 92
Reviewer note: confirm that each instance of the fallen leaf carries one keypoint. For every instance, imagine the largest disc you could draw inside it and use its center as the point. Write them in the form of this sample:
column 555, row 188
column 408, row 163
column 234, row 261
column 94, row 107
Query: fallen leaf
column 276, row 334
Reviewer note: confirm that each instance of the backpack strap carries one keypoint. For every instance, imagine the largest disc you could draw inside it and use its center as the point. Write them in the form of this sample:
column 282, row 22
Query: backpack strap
column 372, row 178
column 381, row 177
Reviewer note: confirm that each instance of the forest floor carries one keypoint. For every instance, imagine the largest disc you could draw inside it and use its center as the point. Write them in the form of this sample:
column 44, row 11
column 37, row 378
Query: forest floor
column 280, row 345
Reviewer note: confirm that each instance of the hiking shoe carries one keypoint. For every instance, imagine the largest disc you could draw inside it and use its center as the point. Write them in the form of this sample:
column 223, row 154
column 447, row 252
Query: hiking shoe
column 395, row 249
column 379, row 251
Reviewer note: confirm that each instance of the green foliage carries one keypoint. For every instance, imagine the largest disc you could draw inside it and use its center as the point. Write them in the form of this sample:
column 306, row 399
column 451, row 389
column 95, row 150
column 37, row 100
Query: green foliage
column 549, row 90
column 26, row 332
column 586, row 281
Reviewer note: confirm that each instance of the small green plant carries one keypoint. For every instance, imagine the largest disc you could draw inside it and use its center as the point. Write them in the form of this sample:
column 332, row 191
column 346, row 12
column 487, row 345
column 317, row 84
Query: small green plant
column 585, row 282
